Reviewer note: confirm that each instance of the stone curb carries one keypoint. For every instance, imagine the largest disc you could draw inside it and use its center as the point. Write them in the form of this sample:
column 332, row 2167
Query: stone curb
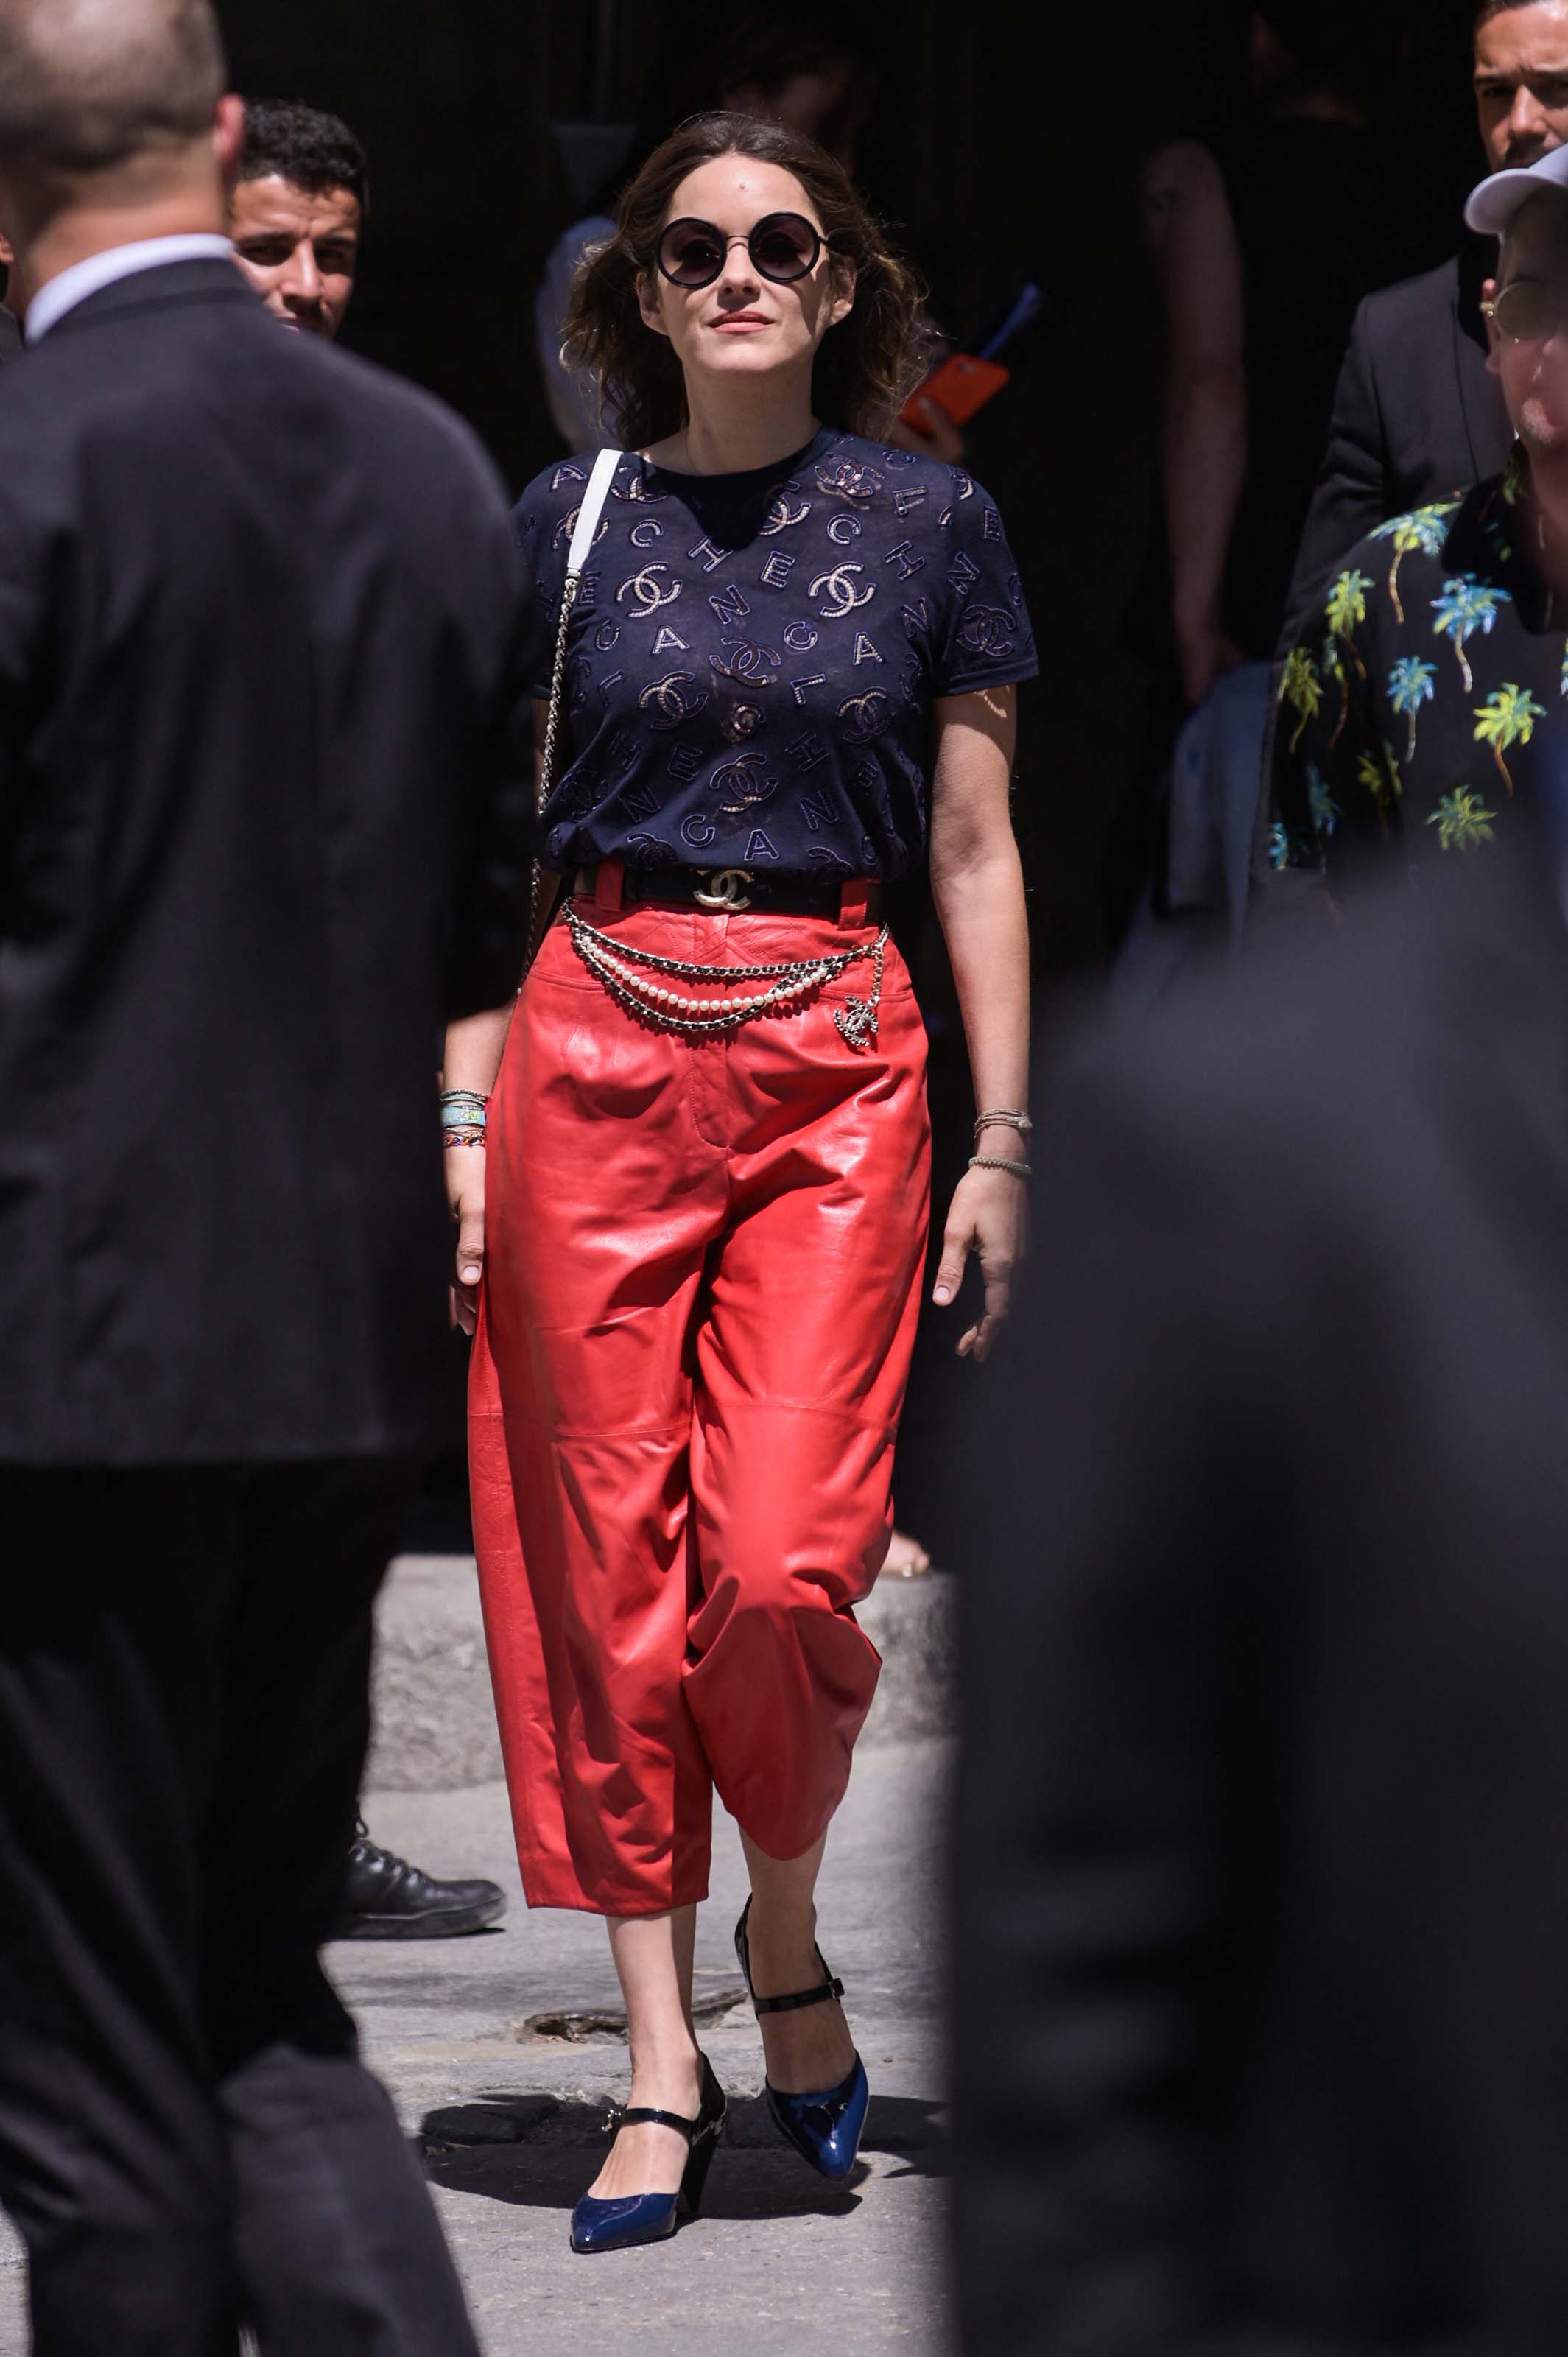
column 434, row 1727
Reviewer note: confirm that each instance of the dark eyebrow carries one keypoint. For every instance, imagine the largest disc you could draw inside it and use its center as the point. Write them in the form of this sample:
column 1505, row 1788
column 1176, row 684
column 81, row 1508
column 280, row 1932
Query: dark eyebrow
column 1529, row 78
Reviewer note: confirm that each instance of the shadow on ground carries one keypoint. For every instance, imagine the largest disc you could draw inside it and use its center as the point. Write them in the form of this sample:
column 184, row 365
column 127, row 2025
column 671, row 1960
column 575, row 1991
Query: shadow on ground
column 540, row 2152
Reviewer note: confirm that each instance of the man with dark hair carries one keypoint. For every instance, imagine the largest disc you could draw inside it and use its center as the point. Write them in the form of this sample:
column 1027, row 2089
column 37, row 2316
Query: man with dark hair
column 1416, row 415
column 297, row 213
column 259, row 721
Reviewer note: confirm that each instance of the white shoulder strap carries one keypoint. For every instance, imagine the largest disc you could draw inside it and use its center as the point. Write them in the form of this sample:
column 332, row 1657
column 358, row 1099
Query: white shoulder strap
column 591, row 509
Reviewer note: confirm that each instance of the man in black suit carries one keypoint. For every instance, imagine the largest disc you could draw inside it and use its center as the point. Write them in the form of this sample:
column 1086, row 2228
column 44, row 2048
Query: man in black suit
column 1262, row 1892
column 1416, row 417
column 258, row 611
column 296, row 215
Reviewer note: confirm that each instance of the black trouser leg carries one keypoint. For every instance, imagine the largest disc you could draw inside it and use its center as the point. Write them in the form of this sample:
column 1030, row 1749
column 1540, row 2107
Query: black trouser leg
column 112, row 2159
column 185, row 2132
column 338, row 2239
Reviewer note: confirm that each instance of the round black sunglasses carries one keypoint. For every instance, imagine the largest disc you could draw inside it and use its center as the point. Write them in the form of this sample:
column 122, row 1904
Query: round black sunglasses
column 783, row 247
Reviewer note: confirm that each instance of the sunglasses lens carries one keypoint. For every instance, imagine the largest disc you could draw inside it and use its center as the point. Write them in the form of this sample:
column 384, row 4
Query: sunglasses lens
column 784, row 246
column 690, row 254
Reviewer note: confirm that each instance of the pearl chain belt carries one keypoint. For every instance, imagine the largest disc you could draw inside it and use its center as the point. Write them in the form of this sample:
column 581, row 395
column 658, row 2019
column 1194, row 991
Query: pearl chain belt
column 630, row 976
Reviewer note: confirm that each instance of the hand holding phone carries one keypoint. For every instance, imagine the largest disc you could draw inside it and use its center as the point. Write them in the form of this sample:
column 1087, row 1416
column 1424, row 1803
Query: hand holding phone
column 959, row 385
column 963, row 382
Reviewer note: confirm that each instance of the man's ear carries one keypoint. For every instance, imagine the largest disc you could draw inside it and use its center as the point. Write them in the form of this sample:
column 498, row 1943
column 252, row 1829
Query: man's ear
column 648, row 304
column 1489, row 295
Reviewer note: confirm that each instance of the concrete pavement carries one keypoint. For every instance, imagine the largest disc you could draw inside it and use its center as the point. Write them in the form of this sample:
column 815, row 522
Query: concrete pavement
column 436, row 1717
column 469, row 2034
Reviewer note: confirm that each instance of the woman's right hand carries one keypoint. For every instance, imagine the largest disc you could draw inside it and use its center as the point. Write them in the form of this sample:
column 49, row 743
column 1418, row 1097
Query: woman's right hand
column 465, row 1193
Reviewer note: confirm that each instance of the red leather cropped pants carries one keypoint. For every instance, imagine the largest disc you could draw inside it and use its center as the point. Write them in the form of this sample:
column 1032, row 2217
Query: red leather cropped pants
column 703, row 1270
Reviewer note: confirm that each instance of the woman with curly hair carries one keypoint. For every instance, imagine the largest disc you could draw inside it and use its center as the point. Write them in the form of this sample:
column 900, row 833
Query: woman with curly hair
column 790, row 664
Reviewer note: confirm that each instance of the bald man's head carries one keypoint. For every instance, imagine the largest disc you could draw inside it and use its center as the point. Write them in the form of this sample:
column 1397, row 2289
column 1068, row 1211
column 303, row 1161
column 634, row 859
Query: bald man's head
column 88, row 86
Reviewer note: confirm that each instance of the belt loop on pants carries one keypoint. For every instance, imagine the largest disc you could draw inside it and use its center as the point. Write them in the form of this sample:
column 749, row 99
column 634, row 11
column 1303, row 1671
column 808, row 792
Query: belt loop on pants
column 853, row 902
column 606, row 887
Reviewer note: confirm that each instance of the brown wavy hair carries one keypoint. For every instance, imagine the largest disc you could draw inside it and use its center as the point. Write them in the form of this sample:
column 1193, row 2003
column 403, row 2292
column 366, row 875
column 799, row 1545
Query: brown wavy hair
column 866, row 366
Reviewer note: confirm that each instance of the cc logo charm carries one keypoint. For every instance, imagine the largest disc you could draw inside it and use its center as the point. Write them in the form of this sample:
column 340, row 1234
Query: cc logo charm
column 724, row 889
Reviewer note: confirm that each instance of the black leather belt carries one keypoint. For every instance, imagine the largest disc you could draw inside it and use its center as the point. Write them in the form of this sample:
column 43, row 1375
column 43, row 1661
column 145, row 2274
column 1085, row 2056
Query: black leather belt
column 724, row 889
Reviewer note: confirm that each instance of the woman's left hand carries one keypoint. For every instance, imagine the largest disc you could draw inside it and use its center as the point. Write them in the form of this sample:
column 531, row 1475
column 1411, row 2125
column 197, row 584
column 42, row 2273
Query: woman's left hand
column 990, row 1215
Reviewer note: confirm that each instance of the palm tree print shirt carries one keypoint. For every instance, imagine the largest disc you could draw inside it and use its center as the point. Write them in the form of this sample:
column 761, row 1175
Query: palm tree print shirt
column 1438, row 687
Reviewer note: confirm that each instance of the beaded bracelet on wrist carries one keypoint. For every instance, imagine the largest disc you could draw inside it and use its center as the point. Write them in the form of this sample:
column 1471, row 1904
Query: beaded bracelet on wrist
column 1003, row 1117
column 1013, row 1162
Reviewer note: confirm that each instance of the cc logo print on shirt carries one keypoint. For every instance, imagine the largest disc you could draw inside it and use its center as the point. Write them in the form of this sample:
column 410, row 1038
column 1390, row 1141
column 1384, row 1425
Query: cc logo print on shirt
column 742, row 783
column 839, row 587
column 781, row 515
column 850, row 478
column 647, row 594
column 987, row 630
column 870, row 712
column 568, row 525
column 748, row 663
column 667, row 700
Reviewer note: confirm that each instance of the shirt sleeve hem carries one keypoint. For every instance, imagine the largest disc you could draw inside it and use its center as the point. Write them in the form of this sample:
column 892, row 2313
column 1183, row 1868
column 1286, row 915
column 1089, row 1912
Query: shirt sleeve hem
column 967, row 682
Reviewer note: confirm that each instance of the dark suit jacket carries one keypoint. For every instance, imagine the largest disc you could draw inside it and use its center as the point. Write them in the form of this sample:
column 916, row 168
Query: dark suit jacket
column 10, row 336
column 1417, row 416
column 1263, row 1919
column 258, row 614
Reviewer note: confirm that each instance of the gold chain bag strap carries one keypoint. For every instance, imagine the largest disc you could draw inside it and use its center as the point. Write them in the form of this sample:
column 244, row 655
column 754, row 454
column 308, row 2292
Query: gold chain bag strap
column 585, row 532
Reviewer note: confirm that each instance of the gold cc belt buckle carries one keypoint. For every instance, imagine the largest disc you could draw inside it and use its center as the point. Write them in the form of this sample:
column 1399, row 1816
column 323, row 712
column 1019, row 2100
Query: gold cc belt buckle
column 723, row 887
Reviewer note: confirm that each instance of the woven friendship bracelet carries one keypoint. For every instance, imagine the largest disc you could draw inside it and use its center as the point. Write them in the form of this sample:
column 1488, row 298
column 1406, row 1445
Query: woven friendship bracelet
column 464, row 1115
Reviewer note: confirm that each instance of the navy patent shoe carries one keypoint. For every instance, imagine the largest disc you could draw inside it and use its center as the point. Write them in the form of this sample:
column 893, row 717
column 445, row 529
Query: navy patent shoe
column 636, row 2218
column 825, row 2129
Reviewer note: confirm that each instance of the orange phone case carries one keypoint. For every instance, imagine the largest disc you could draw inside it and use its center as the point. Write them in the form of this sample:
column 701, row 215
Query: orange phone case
column 959, row 385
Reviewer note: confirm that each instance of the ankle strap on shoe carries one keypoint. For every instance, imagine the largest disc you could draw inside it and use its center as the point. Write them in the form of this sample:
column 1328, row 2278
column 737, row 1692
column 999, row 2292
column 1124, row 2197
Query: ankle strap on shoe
column 649, row 2116
column 830, row 1989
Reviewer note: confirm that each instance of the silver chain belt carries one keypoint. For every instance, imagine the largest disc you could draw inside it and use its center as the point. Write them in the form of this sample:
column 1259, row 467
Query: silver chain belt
column 628, row 973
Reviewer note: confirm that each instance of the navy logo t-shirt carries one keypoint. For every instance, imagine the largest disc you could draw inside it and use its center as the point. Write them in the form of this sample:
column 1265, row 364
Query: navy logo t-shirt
column 753, row 658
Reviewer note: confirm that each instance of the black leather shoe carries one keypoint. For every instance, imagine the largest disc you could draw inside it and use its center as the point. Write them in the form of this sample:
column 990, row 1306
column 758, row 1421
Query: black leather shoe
column 384, row 1897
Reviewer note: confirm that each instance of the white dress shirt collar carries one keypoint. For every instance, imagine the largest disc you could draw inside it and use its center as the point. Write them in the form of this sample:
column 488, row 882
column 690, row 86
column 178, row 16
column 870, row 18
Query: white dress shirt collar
column 62, row 294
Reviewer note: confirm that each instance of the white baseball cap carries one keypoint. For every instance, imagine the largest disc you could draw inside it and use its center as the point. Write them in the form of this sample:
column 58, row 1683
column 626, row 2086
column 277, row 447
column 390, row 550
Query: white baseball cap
column 1490, row 208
